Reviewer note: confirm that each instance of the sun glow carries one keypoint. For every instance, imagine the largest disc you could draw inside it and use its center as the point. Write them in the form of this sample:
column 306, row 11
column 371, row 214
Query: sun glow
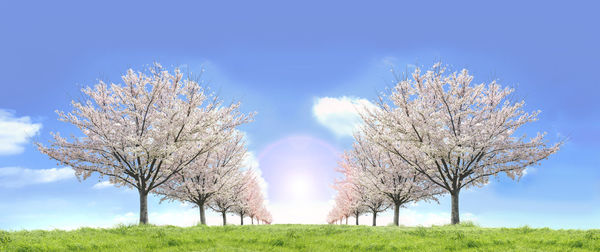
column 300, row 187
column 298, row 170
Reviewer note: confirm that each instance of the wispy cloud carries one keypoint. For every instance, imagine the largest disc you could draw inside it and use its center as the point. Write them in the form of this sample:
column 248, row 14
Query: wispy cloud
column 340, row 114
column 15, row 132
column 103, row 184
column 15, row 177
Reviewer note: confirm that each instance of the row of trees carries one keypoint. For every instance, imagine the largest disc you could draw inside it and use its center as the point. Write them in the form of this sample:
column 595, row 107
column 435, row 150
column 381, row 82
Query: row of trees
column 434, row 133
column 245, row 199
column 374, row 181
column 163, row 134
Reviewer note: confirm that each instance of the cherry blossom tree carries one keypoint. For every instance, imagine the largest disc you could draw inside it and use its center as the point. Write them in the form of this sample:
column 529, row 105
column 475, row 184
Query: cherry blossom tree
column 375, row 203
column 250, row 199
column 333, row 216
column 143, row 132
column 262, row 214
column 256, row 204
column 255, row 199
column 349, row 199
column 266, row 217
column 338, row 212
column 213, row 172
column 382, row 174
column 224, row 201
column 454, row 133
column 370, row 198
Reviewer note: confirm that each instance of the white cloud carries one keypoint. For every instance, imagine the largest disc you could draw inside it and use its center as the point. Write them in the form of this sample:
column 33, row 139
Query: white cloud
column 340, row 115
column 14, row 177
column 529, row 170
column 127, row 218
column 15, row 132
column 102, row 185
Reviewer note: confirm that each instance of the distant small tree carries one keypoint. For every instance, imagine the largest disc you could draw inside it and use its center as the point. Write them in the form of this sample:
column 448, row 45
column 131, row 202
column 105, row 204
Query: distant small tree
column 454, row 133
column 141, row 133
column 334, row 216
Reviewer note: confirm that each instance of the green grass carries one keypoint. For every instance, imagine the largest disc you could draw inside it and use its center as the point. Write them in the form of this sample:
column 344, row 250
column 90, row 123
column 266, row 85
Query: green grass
column 465, row 237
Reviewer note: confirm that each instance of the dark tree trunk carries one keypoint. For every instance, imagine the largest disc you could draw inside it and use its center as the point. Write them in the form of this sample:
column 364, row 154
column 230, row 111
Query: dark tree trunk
column 252, row 220
column 202, row 216
column 396, row 214
column 224, row 218
column 374, row 218
column 241, row 219
column 356, row 219
column 455, row 213
column 143, row 207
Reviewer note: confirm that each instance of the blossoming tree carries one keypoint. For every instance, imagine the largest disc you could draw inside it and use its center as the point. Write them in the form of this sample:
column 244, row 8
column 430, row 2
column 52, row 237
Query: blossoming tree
column 454, row 133
column 251, row 200
column 382, row 174
column 350, row 200
column 143, row 132
column 370, row 198
column 213, row 172
column 225, row 201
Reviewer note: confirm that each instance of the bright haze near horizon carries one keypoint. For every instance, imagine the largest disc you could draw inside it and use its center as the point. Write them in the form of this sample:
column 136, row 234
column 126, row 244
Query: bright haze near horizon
column 303, row 67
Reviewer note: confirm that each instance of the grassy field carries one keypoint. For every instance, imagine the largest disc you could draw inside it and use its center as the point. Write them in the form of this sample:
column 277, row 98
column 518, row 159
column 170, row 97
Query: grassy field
column 301, row 238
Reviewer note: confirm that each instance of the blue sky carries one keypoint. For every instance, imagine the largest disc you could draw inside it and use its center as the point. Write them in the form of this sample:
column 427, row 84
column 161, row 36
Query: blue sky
column 281, row 60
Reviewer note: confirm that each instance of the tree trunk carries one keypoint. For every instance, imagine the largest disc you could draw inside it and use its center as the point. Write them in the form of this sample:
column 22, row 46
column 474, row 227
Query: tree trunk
column 455, row 213
column 252, row 220
column 143, row 207
column 224, row 218
column 202, row 216
column 357, row 219
column 374, row 218
column 396, row 214
column 346, row 220
column 241, row 219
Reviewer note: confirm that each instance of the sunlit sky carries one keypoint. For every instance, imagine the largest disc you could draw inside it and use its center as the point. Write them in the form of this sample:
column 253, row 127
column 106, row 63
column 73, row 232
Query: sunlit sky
column 301, row 66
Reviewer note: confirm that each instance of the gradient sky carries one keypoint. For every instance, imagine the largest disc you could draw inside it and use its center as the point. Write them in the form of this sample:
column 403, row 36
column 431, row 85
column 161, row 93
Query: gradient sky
column 299, row 65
